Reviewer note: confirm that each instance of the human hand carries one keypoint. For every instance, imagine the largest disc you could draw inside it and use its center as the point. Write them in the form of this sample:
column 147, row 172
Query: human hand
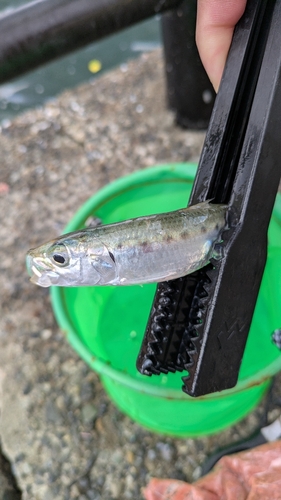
column 216, row 20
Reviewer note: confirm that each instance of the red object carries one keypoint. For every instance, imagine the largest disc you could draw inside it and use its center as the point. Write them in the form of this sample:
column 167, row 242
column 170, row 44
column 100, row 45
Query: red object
column 4, row 188
column 250, row 475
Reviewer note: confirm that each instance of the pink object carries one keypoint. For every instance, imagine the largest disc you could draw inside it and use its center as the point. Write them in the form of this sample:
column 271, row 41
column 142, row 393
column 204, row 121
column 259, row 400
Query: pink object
column 248, row 475
column 4, row 188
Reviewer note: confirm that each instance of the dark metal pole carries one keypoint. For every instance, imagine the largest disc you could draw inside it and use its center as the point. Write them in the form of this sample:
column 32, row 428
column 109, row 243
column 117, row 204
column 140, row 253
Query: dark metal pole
column 43, row 30
column 190, row 92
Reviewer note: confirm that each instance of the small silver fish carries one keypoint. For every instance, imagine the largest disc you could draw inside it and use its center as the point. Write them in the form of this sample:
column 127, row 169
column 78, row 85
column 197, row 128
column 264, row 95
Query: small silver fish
column 147, row 249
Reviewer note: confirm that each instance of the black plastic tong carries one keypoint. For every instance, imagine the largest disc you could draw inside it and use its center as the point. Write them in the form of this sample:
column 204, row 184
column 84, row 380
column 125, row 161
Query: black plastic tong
column 200, row 323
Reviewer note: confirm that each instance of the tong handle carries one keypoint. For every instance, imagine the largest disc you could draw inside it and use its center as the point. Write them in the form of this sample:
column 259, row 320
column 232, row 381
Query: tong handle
column 200, row 323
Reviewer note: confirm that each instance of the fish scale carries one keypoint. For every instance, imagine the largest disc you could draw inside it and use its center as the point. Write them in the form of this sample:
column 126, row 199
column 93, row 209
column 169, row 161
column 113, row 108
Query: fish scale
column 164, row 243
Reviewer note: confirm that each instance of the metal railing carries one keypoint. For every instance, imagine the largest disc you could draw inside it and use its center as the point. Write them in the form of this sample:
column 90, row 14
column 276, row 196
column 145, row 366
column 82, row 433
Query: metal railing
column 43, row 30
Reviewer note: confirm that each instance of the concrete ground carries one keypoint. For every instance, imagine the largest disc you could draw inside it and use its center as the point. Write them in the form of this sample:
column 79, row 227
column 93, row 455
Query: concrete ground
column 61, row 435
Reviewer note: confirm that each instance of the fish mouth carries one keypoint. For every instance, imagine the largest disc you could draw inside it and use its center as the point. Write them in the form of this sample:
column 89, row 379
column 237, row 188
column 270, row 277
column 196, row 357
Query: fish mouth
column 40, row 274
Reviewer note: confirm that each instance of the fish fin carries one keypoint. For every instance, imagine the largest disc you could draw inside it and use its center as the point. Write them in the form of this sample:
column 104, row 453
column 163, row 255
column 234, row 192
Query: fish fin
column 201, row 204
column 218, row 251
column 105, row 267
column 93, row 222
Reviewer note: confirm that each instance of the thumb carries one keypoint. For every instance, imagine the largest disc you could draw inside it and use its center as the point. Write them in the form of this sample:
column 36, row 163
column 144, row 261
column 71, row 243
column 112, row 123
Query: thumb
column 216, row 20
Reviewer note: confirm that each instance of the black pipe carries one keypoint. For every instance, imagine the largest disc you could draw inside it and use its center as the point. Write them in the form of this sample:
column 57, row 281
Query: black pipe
column 190, row 93
column 45, row 29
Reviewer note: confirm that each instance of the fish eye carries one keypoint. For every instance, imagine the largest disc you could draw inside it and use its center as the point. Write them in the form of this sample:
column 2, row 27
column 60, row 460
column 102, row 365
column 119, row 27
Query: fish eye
column 59, row 259
column 59, row 255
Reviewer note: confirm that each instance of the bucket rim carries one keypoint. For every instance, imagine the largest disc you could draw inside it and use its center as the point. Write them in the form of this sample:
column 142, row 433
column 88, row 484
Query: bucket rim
column 164, row 172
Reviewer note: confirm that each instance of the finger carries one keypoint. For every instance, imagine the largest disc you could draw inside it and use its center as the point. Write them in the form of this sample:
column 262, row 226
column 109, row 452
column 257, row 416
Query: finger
column 215, row 24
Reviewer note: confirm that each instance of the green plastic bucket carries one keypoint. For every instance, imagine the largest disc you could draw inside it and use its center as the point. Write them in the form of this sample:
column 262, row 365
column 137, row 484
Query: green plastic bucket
column 105, row 325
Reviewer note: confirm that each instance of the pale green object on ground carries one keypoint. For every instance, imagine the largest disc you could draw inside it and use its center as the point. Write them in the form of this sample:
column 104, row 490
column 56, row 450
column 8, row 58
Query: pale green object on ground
column 105, row 325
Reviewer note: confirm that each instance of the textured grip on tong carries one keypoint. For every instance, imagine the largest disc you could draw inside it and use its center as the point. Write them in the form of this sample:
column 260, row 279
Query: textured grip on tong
column 200, row 323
